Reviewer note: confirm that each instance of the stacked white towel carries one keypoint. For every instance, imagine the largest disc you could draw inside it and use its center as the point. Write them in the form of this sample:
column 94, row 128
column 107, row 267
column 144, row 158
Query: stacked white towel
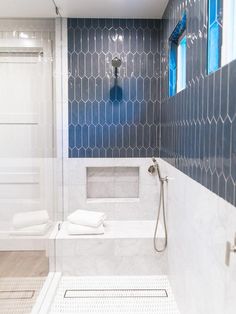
column 33, row 223
column 83, row 222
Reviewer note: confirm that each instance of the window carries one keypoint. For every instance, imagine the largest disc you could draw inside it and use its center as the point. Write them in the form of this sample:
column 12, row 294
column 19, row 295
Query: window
column 214, row 8
column 229, row 32
column 221, row 33
column 181, row 64
column 177, row 58
column 172, row 69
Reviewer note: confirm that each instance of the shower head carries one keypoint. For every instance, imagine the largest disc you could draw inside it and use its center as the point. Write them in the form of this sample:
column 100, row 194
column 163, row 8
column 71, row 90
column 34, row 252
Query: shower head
column 116, row 62
column 155, row 168
column 152, row 169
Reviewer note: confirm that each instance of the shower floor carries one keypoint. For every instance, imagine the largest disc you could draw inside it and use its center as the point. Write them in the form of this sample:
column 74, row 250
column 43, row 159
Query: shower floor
column 144, row 294
column 19, row 294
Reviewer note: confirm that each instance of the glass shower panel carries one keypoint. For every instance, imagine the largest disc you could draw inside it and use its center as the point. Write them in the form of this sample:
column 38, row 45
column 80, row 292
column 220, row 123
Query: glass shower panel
column 27, row 159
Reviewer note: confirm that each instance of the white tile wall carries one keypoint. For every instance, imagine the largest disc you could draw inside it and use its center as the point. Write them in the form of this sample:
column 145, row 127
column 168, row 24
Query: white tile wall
column 112, row 182
column 199, row 224
column 129, row 253
column 142, row 208
column 33, row 28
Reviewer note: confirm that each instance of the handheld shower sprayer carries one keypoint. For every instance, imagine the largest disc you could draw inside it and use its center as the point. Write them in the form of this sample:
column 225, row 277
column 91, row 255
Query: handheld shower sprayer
column 155, row 169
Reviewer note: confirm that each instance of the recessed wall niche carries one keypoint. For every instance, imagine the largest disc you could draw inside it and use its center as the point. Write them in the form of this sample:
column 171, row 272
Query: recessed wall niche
column 112, row 182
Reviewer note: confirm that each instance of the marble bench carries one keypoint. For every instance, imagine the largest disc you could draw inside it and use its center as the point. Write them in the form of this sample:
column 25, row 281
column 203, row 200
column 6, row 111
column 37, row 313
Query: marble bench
column 126, row 248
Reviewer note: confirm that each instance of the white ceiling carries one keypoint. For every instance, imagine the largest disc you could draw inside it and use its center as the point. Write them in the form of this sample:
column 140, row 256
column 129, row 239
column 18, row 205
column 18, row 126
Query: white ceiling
column 112, row 8
column 83, row 8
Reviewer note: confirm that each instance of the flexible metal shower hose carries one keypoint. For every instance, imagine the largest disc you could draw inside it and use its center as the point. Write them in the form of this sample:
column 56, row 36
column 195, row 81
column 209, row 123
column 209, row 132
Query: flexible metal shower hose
column 161, row 205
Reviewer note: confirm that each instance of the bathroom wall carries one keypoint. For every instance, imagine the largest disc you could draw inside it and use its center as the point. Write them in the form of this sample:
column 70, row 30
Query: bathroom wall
column 111, row 117
column 198, row 125
column 142, row 207
column 199, row 224
column 127, row 246
column 198, row 146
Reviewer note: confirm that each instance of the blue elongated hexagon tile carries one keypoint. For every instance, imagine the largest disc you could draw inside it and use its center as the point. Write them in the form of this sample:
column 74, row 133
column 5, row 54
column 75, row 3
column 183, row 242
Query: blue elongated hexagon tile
column 109, row 116
column 125, row 117
column 198, row 124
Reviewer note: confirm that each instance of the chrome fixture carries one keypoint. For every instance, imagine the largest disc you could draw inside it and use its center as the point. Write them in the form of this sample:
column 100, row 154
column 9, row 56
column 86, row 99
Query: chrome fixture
column 116, row 63
column 230, row 249
column 155, row 169
column 152, row 169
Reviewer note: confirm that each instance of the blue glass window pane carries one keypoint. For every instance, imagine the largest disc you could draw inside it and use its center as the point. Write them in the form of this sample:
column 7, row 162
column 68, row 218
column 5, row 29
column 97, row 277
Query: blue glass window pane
column 172, row 69
column 213, row 48
column 214, row 7
column 181, row 64
column 212, row 11
column 177, row 71
column 179, row 29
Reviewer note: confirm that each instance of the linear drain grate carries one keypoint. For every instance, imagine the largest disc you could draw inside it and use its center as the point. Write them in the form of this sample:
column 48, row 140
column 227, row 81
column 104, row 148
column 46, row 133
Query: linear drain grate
column 16, row 294
column 115, row 293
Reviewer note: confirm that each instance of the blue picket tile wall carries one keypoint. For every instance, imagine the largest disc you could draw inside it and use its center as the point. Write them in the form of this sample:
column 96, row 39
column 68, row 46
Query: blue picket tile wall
column 111, row 117
column 198, row 125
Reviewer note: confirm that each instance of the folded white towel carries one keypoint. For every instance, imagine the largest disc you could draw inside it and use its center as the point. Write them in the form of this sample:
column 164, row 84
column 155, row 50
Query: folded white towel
column 37, row 230
column 74, row 229
column 86, row 218
column 28, row 219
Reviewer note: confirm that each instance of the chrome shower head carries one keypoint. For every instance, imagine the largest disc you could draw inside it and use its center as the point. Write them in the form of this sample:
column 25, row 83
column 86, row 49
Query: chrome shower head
column 116, row 62
column 155, row 168
column 152, row 169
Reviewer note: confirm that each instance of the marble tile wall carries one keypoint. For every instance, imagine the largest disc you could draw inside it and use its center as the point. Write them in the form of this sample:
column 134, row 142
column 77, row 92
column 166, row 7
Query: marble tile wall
column 199, row 224
column 111, row 117
column 198, row 125
column 143, row 207
column 113, row 182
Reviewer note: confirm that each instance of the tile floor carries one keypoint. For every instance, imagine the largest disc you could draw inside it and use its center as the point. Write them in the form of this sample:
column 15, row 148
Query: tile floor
column 18, row 294
column 140, row 294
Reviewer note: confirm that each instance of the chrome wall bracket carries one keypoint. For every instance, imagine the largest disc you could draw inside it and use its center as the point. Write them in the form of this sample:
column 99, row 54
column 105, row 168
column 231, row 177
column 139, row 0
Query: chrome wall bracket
column 230, row 249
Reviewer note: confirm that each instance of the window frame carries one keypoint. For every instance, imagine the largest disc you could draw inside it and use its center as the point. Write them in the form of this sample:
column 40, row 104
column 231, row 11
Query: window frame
column 179, row 32
column 221, row 34
column 214, row 30
column 178, row 88
column 228, row 45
